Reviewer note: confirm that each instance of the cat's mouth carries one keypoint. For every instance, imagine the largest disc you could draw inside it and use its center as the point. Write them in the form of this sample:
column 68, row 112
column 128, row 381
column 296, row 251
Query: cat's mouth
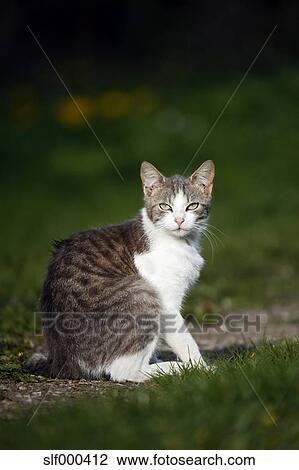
column 180, row 231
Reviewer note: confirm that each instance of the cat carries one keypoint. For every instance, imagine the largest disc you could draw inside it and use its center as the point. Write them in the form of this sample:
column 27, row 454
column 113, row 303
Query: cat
column 113, row 294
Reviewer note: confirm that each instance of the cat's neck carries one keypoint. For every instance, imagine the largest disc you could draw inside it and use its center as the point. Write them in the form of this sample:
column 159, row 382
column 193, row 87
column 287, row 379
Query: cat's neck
column 157, row 235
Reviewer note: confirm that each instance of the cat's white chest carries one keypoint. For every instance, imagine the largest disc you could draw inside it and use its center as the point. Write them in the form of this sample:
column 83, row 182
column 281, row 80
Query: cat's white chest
column 171, row 266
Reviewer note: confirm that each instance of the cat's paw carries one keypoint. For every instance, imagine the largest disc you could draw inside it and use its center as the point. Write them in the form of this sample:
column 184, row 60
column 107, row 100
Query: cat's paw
column 211, row 368
column 201, row 364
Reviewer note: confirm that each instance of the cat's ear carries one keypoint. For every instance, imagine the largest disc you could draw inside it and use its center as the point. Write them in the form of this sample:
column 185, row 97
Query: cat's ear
column 151, row 178
column 204, row 177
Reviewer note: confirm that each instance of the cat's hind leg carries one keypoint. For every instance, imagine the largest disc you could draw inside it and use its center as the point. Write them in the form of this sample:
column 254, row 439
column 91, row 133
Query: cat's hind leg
column 136, row 367
column 129, row 367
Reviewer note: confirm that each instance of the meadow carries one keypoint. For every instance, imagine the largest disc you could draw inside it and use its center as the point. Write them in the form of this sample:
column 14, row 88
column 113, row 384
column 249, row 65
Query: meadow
column 56, row 180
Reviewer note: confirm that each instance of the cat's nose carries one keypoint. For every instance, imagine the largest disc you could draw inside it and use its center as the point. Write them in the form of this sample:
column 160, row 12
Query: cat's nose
column 179, row 220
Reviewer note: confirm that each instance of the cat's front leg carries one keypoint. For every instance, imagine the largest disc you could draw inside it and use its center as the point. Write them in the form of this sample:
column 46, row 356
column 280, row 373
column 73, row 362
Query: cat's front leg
column 180, row 340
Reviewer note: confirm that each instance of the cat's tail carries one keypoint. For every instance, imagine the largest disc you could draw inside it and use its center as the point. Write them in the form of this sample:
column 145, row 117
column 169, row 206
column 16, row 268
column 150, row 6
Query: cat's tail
column 38, row 364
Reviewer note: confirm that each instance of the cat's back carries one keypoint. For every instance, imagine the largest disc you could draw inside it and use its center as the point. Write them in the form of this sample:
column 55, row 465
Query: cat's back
column 101, row 248
column 91, row 260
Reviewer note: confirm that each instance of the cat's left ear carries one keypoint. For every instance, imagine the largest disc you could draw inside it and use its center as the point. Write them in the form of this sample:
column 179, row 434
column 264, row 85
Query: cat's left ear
column 204, row 177
column 151, row 178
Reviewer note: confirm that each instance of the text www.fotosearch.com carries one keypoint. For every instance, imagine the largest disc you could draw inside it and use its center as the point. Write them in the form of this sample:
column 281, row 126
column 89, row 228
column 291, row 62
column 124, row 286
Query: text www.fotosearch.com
column 103, row 459
column 171, row 460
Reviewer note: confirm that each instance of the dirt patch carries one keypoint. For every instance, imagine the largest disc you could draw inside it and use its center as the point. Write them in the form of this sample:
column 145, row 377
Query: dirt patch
column 24, row 398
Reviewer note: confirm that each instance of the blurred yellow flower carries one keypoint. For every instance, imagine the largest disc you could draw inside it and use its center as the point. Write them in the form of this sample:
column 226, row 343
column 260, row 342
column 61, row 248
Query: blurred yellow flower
column 172, row 442
column 67, row 112
column 110, row 104
column 201, row 436
column 269, row 421
column 21, row 356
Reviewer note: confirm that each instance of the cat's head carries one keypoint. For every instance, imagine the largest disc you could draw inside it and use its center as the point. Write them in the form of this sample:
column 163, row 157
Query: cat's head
column 178, row 204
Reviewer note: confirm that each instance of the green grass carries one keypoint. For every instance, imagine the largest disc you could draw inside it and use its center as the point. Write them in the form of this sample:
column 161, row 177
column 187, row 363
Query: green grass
column 56, row 180
column 195, row 410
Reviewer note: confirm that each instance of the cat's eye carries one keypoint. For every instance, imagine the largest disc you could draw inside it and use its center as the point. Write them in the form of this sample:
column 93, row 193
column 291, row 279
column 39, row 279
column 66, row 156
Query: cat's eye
column 193, row 206
column 165, row 207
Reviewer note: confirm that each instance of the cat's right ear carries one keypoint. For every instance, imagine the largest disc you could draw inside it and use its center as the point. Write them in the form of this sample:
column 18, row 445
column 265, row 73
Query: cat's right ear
column 151, row 178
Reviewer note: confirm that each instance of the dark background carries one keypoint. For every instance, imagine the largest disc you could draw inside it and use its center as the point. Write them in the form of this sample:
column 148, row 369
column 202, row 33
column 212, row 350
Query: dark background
column 167, row 38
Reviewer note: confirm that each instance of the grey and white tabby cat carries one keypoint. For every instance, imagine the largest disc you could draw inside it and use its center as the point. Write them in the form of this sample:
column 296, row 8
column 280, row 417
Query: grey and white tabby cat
column 112, row 294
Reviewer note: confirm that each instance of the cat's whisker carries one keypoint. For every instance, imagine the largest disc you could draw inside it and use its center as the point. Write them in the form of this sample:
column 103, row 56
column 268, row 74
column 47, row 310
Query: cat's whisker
column 216, row 228
column 214, row 242
column 210, row 242
column 211, row 245
column 211, row 234
column 215, row 237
